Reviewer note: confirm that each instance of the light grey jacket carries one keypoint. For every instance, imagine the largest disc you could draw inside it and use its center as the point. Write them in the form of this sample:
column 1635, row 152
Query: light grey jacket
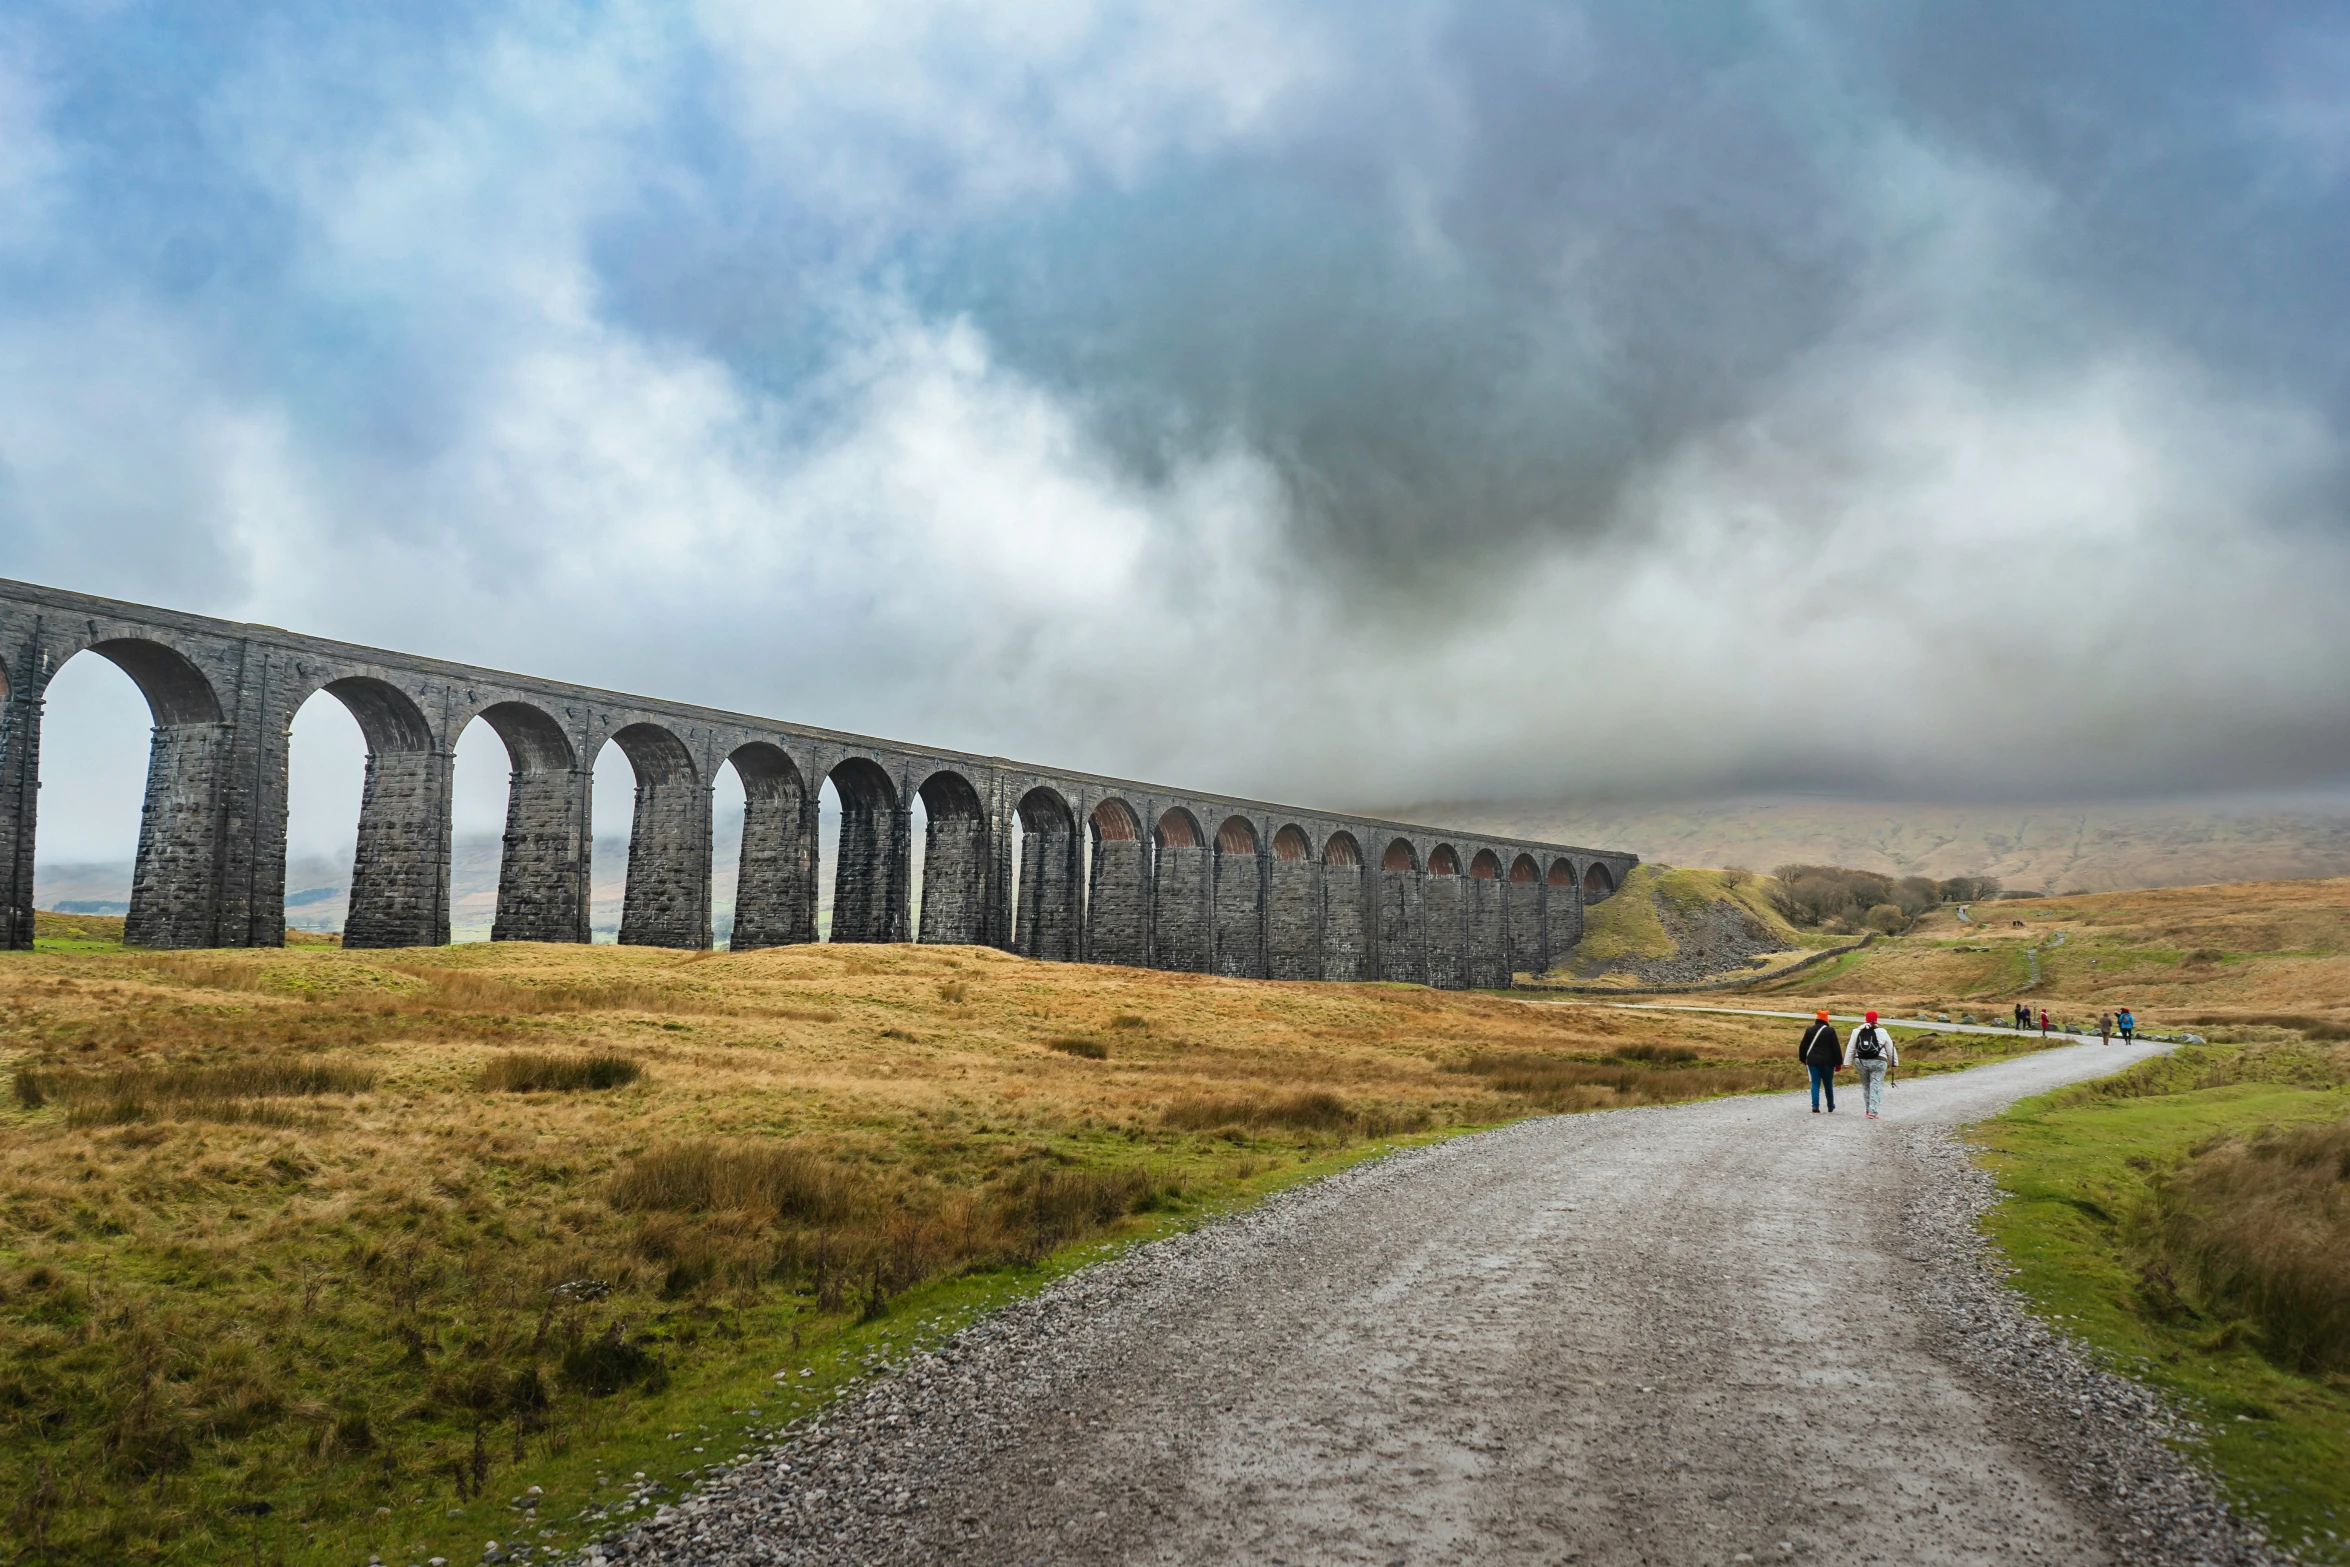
column 1891, row 1057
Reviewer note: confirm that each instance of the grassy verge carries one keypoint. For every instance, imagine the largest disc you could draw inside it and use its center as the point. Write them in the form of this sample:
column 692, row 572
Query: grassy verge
column 2168, row 1219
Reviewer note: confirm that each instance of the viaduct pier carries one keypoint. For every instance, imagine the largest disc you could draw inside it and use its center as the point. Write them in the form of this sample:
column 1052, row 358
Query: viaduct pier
column 1101, row 870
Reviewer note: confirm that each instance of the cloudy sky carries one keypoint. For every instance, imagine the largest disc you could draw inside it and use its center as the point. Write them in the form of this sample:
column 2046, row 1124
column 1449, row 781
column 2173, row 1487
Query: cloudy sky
column 1336, row 402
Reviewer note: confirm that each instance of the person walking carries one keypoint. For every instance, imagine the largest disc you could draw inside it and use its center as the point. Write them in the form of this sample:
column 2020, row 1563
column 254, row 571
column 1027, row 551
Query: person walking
column 1823, row 1052
column 1873, row 1056
column 2023, row 1015
column 2043, row 1022
column 2105, row 1028
column 2129, row 1024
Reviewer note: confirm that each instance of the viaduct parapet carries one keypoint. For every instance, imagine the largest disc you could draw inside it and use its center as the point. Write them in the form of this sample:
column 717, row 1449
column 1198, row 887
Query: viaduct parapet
column 1101, row 870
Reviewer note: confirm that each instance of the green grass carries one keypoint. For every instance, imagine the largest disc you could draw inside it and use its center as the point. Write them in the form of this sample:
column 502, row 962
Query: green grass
column 2082, row 1168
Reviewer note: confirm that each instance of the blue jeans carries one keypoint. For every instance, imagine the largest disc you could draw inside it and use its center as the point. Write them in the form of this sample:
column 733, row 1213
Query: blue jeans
column 1823, row 1077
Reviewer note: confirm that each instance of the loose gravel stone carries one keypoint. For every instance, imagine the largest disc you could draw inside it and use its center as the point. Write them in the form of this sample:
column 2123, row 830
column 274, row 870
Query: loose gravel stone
column 1705, row 1333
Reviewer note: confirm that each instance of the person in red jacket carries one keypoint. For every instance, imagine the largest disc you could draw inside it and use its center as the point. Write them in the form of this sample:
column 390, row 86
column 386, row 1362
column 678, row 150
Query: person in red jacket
column 2043, row 1022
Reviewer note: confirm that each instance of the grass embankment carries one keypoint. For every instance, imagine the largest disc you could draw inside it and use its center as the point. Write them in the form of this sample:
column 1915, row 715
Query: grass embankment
column 2252, row 961
column 2190, row 1220
column 313, row 1254
column 1665, row 914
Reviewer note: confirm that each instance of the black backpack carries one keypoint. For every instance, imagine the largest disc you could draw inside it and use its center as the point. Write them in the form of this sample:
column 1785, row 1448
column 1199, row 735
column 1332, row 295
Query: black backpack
column 1868, row 1044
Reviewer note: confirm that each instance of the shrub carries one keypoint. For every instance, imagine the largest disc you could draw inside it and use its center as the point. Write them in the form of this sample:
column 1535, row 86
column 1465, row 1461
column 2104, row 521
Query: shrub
column 776, row 1179
column 524, row 1071
column 1887, row 919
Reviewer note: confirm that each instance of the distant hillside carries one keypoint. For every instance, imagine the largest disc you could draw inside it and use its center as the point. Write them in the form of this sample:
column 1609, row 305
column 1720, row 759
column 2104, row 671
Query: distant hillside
column 2043, row 848
column 1672, row 926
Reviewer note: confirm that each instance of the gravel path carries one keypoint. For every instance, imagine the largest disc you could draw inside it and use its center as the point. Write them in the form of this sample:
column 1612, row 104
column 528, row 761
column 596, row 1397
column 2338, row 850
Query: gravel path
column 1720, row 1332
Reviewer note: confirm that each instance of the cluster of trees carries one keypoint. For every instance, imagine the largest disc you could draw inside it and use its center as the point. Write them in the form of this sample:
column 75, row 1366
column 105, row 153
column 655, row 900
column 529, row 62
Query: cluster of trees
column 1832, row 898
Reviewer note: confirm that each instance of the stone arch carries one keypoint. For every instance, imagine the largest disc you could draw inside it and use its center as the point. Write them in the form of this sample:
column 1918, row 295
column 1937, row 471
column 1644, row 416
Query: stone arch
column 1401, row 932
column 955, row 861
column 1522, row 902
column 1486, row 920
column 399, row 880
column 1046, row 919
column 1182, row 888
column 775, row 886
column 1344, row 951
column 1598, row 882
column 869, row 884
column 1562, row 909
column 1238, row 896
column 175, row 879
column 667, row 903
column 1117, row 901
column 1293, row 910
column 1444, row 913
column 543, row 857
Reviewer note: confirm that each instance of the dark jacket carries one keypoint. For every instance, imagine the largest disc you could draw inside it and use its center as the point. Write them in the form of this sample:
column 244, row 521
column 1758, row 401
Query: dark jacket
column 1821, row 1047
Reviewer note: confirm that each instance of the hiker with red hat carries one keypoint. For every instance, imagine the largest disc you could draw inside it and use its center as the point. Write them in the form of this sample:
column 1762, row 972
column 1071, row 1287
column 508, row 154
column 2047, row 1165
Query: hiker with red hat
column 1823, row 1052
column 1873, row 1056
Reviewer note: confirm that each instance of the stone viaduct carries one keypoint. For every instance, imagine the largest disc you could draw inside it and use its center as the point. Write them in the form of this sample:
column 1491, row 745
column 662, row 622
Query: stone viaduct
column 1101, row 870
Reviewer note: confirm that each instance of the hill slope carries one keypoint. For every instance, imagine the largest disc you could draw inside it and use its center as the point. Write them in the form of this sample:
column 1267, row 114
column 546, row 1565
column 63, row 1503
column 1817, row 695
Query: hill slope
column 2044, row 848
column 1672, row 925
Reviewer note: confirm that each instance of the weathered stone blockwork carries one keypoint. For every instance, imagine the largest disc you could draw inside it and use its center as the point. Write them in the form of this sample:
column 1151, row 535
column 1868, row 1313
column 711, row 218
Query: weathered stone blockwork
column 1104, row 870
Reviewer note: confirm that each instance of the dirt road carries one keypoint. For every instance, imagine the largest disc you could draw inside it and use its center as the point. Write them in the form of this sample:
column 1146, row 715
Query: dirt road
column 1673, row 1335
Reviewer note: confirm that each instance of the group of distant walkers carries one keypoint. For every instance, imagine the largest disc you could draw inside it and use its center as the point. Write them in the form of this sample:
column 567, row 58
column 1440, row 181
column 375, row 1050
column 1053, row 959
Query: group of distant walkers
column 2124, row 1022
column 1874, row 1055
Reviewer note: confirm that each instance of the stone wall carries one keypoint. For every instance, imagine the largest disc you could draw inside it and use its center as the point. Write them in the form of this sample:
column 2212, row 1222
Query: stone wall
column 1258, row 899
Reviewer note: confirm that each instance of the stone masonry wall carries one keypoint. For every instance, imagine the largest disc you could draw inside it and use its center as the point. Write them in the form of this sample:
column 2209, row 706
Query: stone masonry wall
column 667, row 901
column 1117, row 906
column 1179, row 915
column 1240, row 934
column 1048, row 893
column 775, row 888
column 542, row 885
column 1403, row 939
column 399, row 882
column 172, row 903
column 1488, row 966
column 1447, row 932
column 954, row 879
column 1345, row 956
column 1294, row 921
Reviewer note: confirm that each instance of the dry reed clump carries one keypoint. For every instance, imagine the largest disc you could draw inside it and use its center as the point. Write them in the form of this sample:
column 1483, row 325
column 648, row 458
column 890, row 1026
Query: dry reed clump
column 1566, row 1083
column 2323, row 1029
column 212, row 1092
column 1079, row 1045
column 1310, row 1110
column 2262, row 1229
column 775, row 1180
column 530, row 1071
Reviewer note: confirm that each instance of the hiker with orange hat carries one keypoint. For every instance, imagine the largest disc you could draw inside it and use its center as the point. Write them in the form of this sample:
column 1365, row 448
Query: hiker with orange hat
column 1823, row 1052
column 1873, row 1055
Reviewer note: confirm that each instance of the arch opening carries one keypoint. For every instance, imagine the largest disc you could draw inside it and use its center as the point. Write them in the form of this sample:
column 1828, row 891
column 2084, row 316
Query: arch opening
column 774, row 901
column 1524, row 871
column 1179, row 829
column 1486, row 866
column 535, row 806
column 1562, row 873
column 1342, row 850
column 1443, row 862
column 99, row 741
column 1237, row 835
column 396, row 890
column 955, row 856
column 1290, row 845
column 1045, row 912
column 1598, row 881
column 1400, row 857
column 873, row 862
column 665, row 901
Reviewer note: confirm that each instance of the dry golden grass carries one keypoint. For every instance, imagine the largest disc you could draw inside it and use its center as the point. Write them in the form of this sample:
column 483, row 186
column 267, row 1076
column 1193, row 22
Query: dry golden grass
column 2262, row 1224
column 2241, row 958
column 367, row 1235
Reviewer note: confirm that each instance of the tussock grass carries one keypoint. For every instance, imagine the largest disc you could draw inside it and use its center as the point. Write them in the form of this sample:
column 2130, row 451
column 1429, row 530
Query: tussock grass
column 1084, row 1045
column 2262, row 1225
column 530, row 1071
column 1309, row 1111
column 773, row 1180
